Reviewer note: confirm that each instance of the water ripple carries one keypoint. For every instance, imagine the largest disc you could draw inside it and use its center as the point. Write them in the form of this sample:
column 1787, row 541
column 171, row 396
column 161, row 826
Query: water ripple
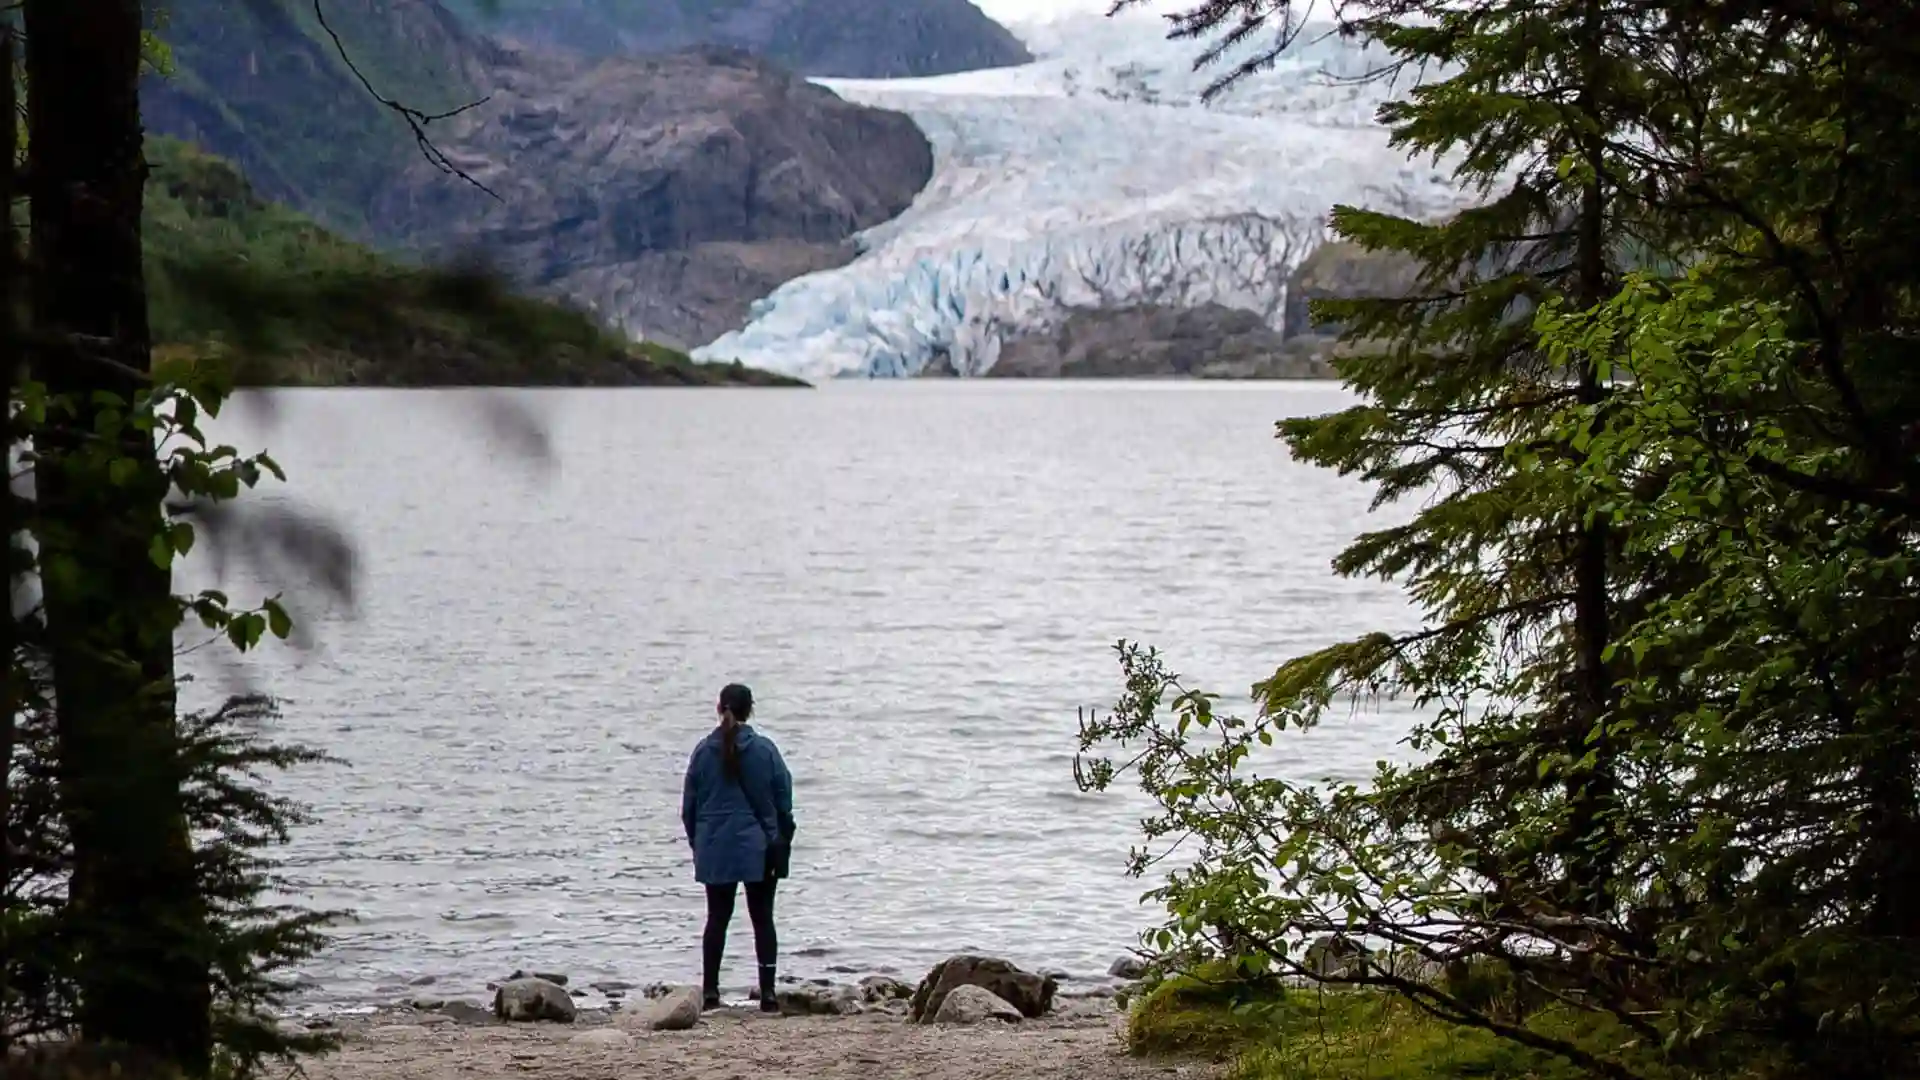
column 921, row 582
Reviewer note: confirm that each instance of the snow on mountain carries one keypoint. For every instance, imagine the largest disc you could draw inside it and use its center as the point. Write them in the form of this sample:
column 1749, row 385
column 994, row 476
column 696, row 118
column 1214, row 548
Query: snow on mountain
column 1093, row 177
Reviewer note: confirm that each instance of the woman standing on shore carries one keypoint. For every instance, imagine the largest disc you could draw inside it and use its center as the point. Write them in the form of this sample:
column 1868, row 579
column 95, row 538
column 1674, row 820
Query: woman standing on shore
column 737, row 807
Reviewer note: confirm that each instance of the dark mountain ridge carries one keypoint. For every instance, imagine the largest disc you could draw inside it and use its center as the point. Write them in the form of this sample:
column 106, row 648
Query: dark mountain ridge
column 874, row 39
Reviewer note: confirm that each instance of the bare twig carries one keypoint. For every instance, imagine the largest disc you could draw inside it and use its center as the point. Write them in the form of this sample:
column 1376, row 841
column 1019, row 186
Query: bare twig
column 416, row 120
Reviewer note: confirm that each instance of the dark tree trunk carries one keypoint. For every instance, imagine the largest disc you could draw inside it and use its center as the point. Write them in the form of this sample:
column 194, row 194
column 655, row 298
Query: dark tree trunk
column 1590, row 854
column 10, row 520
column 144, row 979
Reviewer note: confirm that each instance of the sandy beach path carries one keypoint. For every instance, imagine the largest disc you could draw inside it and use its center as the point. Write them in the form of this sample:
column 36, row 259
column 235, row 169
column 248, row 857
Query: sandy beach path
column 1080, row 1045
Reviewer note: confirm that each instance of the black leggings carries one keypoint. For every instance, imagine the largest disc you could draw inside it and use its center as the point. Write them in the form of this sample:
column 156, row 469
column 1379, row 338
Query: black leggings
column 766, row 946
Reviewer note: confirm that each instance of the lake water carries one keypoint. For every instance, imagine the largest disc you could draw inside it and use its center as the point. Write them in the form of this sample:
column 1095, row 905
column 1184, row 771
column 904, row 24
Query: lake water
column 920, row 581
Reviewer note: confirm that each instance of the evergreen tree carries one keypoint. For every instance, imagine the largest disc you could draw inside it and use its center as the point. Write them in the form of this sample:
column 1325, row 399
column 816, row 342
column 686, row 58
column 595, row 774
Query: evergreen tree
column 1512, row 566
column 1765, row 446
column 1716, row 838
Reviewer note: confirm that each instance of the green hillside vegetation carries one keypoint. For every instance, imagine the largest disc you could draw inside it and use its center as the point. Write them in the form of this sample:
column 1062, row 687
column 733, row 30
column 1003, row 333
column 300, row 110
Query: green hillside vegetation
column 262, row 83
column 290, row 303
column 1267, row 1030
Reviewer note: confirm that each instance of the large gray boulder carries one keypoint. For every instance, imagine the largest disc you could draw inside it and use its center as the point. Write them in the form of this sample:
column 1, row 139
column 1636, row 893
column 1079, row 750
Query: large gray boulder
column 1027, row 992
column 528, row 1000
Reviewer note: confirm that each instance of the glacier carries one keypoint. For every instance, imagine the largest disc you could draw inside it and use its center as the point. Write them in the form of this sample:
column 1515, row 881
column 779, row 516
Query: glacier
column 1094, row 177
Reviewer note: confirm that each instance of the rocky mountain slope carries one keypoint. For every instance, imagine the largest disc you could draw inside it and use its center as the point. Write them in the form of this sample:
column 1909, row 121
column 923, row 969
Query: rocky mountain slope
column 668, row 192
column 853, row 38
column 1208, row 340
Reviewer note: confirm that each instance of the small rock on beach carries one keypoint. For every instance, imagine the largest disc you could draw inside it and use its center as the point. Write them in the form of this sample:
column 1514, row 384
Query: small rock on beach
column 808, row 999
column 467, row 1012
column 819, row 1001
column 527, row 1000
column 676, row 1010
column 879, row 989
column 969, row 1004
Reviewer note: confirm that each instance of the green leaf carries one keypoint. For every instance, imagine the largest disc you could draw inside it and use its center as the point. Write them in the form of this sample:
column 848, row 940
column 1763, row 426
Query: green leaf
column 246, row 629
column 278, row 621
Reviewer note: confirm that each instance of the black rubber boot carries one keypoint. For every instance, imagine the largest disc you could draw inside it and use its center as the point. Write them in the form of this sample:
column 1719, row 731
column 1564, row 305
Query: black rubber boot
column 769, row 994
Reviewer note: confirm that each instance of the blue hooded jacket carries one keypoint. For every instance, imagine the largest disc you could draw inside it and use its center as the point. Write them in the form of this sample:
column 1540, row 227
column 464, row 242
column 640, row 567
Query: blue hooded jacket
column 741, row 831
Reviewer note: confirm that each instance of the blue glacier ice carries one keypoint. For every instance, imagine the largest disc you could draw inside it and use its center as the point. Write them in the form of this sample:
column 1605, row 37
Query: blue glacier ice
column 1094, row 177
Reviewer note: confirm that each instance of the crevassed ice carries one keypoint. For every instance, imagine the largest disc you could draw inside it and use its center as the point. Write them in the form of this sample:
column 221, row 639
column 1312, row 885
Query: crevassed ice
column 1092, row 177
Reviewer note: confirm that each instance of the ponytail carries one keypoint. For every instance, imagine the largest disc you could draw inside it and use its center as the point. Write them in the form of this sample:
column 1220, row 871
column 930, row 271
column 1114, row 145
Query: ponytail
column 729, row 750
column 736, row 708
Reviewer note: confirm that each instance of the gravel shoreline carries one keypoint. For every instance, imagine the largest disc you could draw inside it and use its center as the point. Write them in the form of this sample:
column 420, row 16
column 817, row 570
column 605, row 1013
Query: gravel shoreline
column 1082, row 1038
column 1026, row 1027
column 432, row 993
